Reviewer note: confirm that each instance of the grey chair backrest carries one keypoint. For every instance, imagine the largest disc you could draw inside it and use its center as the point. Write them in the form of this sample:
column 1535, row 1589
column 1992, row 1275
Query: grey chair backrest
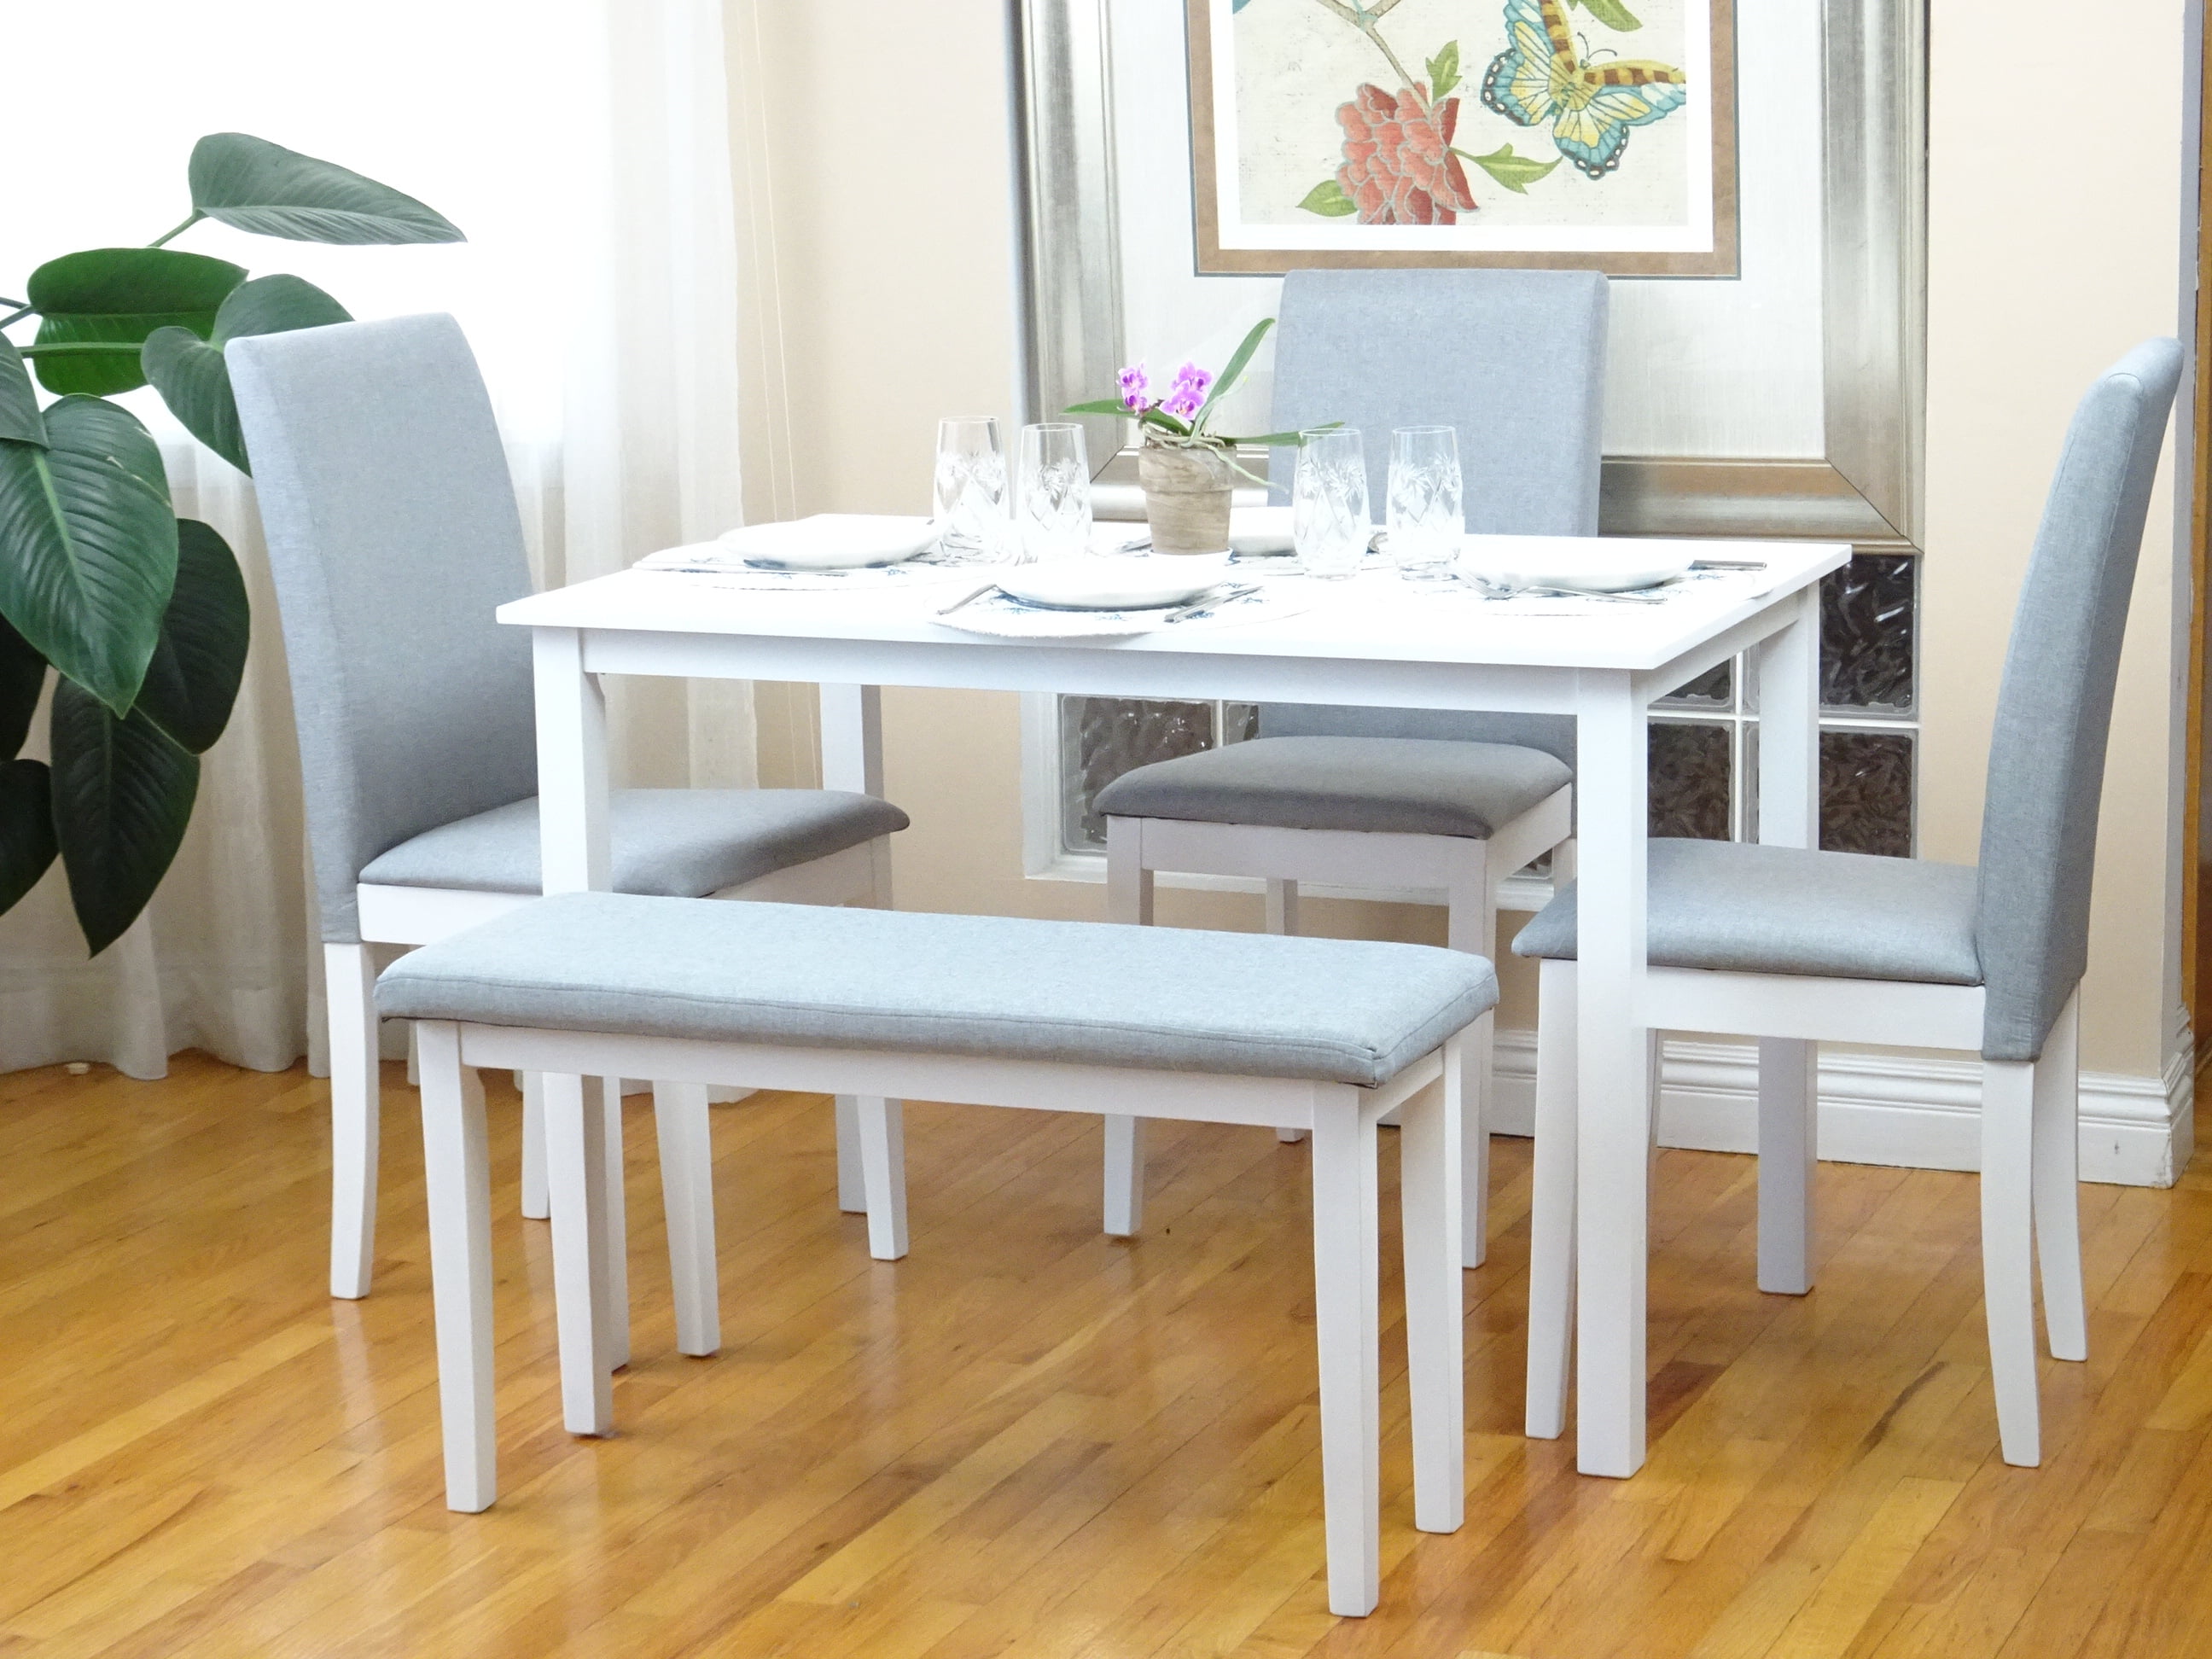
column 1515, row 360
column 393, row 534
column 2055, row 703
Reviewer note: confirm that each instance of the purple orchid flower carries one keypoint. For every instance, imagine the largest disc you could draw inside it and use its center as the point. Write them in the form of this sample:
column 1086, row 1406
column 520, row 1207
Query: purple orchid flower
column 1188, row 394
column 1136, row 387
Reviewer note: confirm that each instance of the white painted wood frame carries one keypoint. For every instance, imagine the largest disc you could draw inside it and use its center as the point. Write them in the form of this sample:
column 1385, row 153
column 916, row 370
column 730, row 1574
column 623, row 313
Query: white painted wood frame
column 1470, row 872
column 1340, row 1118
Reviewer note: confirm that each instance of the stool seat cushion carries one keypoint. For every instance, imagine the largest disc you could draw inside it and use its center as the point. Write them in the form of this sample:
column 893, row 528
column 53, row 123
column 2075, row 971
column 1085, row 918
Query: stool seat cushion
column 1736, row 907
column 1409, row 786
column 678, row 844
column 1335, row 1010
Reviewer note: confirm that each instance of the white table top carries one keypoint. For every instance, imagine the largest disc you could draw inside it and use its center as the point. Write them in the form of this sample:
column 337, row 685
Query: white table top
column 1373, row 618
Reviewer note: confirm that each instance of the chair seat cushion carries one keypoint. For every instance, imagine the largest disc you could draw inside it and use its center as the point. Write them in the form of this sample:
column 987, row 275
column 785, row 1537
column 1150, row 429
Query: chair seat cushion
column 1736, row 907
column 1410, row 785
column 1338, row 1011
column 678, row 844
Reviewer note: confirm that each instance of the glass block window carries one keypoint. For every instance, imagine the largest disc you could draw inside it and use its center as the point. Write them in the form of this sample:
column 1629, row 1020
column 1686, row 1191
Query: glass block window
column 1704, row 774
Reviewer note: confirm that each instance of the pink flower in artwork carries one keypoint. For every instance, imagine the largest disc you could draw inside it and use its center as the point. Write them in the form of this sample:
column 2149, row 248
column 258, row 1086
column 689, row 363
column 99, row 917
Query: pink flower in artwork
column 1398, row 165
column 1188, row 394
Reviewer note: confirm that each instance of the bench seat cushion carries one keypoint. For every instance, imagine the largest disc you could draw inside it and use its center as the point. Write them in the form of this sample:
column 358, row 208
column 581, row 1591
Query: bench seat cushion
column 679, row 843
column 1406, row 785
column 1737, row 906
column 1336, row 1011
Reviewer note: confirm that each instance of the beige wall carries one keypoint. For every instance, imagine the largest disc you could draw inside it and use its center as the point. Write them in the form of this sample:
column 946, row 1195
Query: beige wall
column 888, row 253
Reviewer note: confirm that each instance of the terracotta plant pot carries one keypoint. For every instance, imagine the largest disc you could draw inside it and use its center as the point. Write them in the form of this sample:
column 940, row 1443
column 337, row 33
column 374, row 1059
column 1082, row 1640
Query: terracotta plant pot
column 1186, row 498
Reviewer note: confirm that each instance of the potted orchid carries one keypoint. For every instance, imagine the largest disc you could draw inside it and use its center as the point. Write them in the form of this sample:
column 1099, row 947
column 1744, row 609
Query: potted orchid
column 1186, row 469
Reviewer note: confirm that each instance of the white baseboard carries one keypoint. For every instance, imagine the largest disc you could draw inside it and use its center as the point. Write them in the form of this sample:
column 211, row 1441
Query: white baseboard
column 1885, row 1108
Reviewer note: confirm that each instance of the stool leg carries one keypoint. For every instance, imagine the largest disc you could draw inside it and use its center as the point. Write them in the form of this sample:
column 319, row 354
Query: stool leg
column 576, row 1175
column 683, row 1125
column 349, row 985
column 1471, row 925
column 1788, row 1155
column 1429, row 1171
column 534, row 1147
column 614, row 1250
column 851, row 1190
column 1345, row 1272
column 1129, row 901
column 2008, row 1267
column 1552, row 1210
column 1283, row 918
column 2058, row 1191
column 883, row 1164
column 457, row 1181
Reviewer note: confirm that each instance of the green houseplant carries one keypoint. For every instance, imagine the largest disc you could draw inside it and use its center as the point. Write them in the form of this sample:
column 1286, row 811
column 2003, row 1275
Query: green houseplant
column 142, row 615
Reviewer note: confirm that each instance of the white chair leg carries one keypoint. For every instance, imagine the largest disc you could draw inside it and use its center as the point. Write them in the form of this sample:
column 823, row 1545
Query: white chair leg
column 349, row 980
column 614, row 1213
column 1344, row 1330
column 2057, row 1193
column 457, row 1181
column 851, row 1191
column 1283, row 918
column 683, row 1128
column 1129, row 901
column 1471, row 925
column 883, row 1164
column 1429, row 1170
column 576, row 1175
column 1125, row 1174
column 534, row 1147
column 1552, row 1212
column 1788, row 1155
column 2007, row 1270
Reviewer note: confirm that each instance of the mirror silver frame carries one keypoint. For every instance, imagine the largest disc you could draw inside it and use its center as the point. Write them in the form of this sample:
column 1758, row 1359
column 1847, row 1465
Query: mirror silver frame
column 1867, row 490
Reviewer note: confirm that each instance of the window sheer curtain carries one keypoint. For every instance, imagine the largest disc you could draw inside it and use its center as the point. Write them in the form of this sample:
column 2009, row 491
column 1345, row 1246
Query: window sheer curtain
column 584, row 145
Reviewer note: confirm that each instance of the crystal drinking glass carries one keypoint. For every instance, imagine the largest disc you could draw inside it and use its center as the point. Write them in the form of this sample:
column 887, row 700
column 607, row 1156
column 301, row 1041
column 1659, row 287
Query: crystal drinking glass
column 970, row 505
column 1426, row 521
column 1051, row 505
column 1329, row 503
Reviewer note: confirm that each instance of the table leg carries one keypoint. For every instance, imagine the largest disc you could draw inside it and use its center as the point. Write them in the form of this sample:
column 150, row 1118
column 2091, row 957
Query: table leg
column 853, row 759
column 1612, row 1117
column 572, row 765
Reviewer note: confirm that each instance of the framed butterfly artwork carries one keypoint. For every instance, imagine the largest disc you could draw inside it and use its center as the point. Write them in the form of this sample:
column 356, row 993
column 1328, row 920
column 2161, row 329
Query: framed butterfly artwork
column 1597, row 134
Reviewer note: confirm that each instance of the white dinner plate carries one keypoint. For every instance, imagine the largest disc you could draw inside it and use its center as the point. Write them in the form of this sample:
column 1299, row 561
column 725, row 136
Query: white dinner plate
column 1114, row 584
column 1545, row 561
column 1258, row 529
column 831, row 541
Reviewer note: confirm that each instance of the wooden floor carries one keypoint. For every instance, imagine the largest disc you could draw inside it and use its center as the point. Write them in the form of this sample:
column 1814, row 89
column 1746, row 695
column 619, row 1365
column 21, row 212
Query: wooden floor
column 1025, row 1440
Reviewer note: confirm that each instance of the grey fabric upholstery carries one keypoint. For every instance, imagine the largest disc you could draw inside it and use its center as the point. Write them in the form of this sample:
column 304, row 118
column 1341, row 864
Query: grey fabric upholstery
column 2055, row 705
column 1737, row 906
column 393, row 536
column 678, row 843
column 1157, row 998
column 1411, row 786
column 1554, row 734
column 1769, row 910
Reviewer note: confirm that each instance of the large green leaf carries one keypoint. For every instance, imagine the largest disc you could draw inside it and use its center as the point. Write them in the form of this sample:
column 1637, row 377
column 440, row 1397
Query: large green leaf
column 88, row 546
column 27, row 828
column 194, row 677
column 123, row 794
column 19, row 403
column 190, row 374
column 22, row 676
column 118, row 296
column 263, row 187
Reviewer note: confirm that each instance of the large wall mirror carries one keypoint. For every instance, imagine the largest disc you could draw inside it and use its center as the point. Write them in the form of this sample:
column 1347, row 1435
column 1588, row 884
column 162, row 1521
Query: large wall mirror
column 1784, row 401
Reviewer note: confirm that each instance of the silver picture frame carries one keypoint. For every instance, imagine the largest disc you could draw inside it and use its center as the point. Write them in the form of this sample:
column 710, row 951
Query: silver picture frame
column 1866, row 489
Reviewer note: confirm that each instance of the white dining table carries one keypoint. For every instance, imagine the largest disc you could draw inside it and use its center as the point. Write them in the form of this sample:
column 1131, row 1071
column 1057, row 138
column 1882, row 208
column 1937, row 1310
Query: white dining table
column 1372, row 641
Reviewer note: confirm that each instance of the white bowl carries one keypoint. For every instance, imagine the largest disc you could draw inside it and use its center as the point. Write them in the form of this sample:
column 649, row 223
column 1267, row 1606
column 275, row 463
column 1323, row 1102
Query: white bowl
column 831, row 541
column 1096, row 584
column 1612, row 567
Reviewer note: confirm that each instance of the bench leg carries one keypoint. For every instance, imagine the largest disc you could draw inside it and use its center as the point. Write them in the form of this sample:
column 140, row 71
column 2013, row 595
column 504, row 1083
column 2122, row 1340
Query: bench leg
column 1551, row 1206
column 1788, row 1092
column 1125, row 1174
column 851, row 1190
column 1429, row 1176
column 534, row 1146
column 348, row 982
column 614, row 1220
column 576, row 1175
column 683, row 1128
column 1345, row 1329
column 883, row 1169
column 458, row 1181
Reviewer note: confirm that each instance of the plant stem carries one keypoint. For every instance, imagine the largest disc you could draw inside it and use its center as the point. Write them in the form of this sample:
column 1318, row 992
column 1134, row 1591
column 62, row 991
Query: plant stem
column 1364, row 19
column 197, row 216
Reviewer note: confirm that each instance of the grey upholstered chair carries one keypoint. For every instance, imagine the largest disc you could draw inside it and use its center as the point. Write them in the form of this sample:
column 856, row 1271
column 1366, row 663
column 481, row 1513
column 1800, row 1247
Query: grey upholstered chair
column 1801, row 945
column 1395, row 798
column 393, row 536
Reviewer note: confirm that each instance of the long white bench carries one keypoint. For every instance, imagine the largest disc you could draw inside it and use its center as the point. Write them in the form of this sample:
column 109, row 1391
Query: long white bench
column 1321, row 1034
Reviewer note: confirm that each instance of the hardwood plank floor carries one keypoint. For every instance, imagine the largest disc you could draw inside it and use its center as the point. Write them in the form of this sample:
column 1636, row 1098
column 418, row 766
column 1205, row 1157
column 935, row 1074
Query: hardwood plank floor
column 1026, row 1439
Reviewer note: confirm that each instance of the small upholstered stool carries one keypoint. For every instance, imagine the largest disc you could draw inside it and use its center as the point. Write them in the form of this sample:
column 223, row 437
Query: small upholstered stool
column 1321, row 1035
